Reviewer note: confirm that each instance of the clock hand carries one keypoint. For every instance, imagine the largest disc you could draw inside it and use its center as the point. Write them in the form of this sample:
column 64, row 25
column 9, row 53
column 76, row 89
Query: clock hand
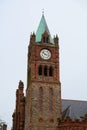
column 45, row 53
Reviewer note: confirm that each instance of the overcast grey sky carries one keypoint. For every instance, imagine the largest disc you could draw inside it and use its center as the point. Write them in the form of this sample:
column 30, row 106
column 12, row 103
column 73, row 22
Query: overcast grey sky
column 18, row 18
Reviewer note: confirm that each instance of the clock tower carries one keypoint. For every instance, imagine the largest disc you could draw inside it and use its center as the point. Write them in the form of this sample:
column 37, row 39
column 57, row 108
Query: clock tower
column 43, row 93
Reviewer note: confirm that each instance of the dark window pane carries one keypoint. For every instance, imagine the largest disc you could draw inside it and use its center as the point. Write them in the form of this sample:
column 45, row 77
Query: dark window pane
column 40, row 70
column 46, row 39
column 43, row 39
column 45, row 71
column 51, row 71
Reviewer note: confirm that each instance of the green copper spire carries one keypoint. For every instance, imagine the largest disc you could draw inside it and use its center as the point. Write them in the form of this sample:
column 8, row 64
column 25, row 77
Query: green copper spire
column 41, row 29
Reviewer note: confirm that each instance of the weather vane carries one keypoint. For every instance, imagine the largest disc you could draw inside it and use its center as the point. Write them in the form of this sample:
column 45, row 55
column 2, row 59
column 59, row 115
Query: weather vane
column 42, row 11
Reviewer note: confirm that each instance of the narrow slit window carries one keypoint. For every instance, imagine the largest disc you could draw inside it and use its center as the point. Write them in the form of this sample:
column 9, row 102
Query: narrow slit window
column 51, row 71
column 41, row 98
column 51, row 99
column 46, row 39
column 40, row 70
column 45, row 71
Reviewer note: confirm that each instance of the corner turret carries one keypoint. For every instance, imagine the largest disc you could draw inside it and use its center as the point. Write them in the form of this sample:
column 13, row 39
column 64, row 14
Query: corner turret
column 56, row 41
column 32, row 38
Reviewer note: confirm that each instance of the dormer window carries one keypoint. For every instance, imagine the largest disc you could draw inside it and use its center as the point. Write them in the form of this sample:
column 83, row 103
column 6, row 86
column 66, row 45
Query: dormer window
column 45, row 37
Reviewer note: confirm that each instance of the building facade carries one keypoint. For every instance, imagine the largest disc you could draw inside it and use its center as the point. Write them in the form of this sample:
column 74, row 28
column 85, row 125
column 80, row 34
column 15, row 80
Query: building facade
column 42, row 107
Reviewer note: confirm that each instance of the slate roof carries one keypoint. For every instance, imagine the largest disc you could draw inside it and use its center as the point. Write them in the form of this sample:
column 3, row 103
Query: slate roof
column 41, row 29
column 74, row 109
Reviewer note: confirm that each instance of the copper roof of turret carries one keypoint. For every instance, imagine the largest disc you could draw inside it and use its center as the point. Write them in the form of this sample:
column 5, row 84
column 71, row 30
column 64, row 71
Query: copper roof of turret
column 41, row 29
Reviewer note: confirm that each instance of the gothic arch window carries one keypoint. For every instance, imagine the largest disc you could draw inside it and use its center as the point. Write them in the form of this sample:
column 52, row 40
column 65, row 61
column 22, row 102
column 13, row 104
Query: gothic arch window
column 46, row 39
column 50, row 71
column 51, row 99
column 40, row 98
column 40, row 70
column 43, row 39
column 45, row 70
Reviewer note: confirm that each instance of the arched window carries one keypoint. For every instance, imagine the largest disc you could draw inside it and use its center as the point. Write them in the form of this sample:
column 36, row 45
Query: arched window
column 41, row 98
column 45, row 71
column 46, row 39
column 51, row 99
column 50, row 71
column 40, row 70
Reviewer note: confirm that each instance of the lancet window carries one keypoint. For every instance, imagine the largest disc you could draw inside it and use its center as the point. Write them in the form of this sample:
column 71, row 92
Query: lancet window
column 41, row 98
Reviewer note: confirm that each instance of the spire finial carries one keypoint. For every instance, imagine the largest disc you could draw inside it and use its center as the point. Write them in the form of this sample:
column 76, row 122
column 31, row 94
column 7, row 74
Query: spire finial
column 42, row 11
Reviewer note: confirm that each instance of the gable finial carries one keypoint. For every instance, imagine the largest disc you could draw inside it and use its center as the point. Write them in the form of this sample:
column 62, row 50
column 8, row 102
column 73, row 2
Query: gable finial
column 42, row 11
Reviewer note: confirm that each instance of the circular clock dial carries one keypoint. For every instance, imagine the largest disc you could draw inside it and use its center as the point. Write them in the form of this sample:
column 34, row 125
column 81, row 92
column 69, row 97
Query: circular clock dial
column 45, row 54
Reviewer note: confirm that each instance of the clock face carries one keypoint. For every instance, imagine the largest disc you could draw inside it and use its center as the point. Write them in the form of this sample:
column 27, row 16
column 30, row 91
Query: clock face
column 45, row 54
